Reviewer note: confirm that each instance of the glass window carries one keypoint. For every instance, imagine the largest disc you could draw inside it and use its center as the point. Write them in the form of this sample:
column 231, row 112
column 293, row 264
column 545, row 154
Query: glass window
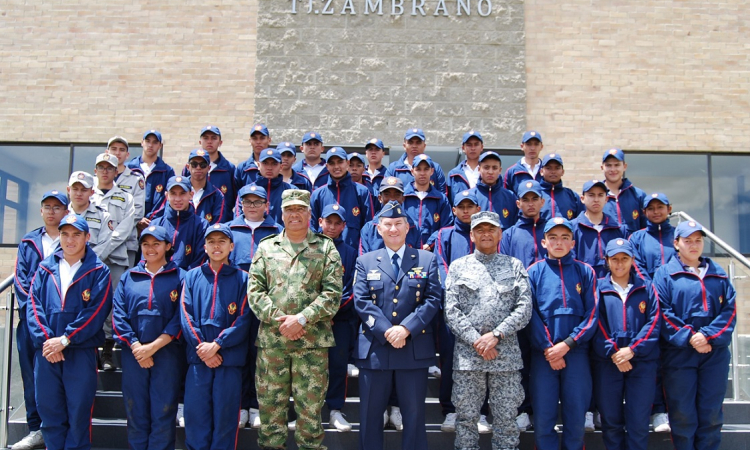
column 731, row 199
column 84, row 156
column 27, row 172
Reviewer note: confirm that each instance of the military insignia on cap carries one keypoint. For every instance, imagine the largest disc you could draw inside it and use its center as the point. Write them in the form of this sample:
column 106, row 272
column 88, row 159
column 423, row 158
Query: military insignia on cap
column 355, row 211
column 210, row 126
column 173, row 295
column 209, row 217
column 533, row 133
column 188, row 250
column 620, row 242
column 223, row 189
column 594, row 181
column 436, row 217
column 373, row 141
column 178, row 179
column 217, row 226
column 151, row 228
column 398, row 210
column 559, row 220
column 55, row 192
column 635, row 214
column 152, row 131
column 392, row 180
column 505, row 213
column 81, row 176
column 232, row 308
column 335, row 207
column 691, row 223
column 258, row 128
column 612, row 151
column 552, row 155
column 529, row 184
column 642, row 307
column 71, row 219
column 578, row 288
column 253, row 188
column 86, row 295
column 312, row 134
column 270, row 152
column 159, row 188
column 471, row 131
column 465, row 193
column 200, row 153
column 414, row 130
column 654, row 195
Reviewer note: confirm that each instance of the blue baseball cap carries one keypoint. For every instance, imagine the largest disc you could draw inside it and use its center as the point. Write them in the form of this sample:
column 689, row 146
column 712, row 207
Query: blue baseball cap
column 286, row 147
column 270, row 153
column 154, row 132
column 260, row 128
column 490, row 154
column 253, row 189
column 376, row 142
column 529, row 186
column 61, row 197
column 333, row 208
column 212, row 129
column 616, row 153
column 619, row 245
column 552, row 157
column 468, row 194
column 531, row 134
column 655, row 196
column 337, row 152
column 592, row 183
column 557, row 222
column 158, row 232
column 420, row 159
column 470, row 134
column 414, row 132
column 222, row 228
column 391, row 183
column 358, row 156
column 199, row 153
column 180, row 181
column 312, row 136
column 75, row 220
column 685, row 229
column 392, row 210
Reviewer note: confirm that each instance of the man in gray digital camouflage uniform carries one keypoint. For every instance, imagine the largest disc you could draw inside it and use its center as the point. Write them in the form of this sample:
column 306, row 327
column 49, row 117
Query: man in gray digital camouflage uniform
column 294, row 289
column 487, row 301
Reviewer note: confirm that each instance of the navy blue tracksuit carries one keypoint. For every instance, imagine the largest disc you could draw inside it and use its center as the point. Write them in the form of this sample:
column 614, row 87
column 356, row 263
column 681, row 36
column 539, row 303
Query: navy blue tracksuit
column 653, row 247
column 399, row 169
column 430, row 213
column 695, row 383
column 214, row 309
column 187, row 230
column 145, row 307
column 560, row 201
column 65, row 390
column 517, row 173
column 156, row 185
column 222, row 176
column 355, row 199
column 631, row 323
column 344, row 331
column 590, row 243
column 320, row 180
column 498, row 199
column 627, row 206
column 565, row 303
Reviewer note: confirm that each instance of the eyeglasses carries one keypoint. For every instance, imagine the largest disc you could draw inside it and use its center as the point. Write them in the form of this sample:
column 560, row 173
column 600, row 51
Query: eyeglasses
column 54, row 209
column 196, row 164
column 106, row 168
column 254, row 204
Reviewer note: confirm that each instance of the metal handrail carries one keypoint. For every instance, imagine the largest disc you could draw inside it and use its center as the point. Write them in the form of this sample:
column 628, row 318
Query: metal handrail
column 7, row 355
column 716, row 239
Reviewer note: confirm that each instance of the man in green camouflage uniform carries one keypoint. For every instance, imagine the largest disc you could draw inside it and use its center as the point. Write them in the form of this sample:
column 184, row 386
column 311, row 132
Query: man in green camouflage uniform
column 294, row 289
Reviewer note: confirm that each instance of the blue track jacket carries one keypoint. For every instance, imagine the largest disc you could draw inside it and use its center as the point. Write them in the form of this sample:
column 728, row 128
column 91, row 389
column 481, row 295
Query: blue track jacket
column 187, row 230
column 653, row 246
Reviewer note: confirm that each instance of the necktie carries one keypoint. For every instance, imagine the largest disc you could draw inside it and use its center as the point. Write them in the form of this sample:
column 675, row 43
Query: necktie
column 394, row 264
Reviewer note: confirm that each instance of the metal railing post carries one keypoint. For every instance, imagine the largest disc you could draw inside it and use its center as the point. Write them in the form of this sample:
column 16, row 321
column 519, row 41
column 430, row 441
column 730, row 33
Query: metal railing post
column 6, row 368
column 735, row 350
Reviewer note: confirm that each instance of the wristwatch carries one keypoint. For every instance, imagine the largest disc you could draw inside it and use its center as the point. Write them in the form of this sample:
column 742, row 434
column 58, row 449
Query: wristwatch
column 64, row 341
column 497, row 334
column 302, row 320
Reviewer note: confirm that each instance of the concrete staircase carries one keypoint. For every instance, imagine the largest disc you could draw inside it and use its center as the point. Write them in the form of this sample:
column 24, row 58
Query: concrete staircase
column 110, row 432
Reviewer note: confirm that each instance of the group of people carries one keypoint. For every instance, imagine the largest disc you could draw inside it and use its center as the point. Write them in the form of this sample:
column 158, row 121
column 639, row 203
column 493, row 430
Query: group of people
column 231, row 289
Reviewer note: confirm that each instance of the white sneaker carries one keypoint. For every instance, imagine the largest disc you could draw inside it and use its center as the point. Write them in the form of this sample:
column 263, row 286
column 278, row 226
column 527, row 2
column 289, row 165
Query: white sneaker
column 589, row 425
column 352, row 370
column 243, row 418
column 385, row 417
column 660, row 421
column 337, row 421
column 523, row 422
column 181, row 415
column 396, row 420
column 449, row 424
column 483, row 426
column 30, row 441
column 434, row 371
column 292, row 425
column 254, row 419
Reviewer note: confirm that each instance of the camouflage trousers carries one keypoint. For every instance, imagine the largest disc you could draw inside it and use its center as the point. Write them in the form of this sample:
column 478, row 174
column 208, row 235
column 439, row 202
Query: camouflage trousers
column 302, row 374
column 506, row 395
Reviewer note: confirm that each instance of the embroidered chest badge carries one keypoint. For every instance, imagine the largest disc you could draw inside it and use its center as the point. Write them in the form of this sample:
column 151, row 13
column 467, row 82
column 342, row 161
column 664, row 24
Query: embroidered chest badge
column 578, row 288
column 86, row 295
column 232, row 308
column 642, row 307
column 417, row 274
column 173, row 295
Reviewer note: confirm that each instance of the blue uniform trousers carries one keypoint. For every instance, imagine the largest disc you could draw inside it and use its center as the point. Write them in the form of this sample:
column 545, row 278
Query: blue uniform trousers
column 375, row 388
column 660, row 405
column 572, row 387
column 65, row 394
column 249, row 392
column 26, row 353
column 524, row 343
column 151, row 397
column 695, row 385
column 445, row 344
column 212, row 407
column 345, row 332
column 611, row 387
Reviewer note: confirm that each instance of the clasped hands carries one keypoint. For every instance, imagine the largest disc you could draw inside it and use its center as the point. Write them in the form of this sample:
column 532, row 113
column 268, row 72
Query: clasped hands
column 396, row 335
column 485, row 346
column 700, row 343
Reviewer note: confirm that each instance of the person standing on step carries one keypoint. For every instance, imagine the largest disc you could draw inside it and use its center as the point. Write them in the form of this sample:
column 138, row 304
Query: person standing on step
column 487, row 302
column 527, row 168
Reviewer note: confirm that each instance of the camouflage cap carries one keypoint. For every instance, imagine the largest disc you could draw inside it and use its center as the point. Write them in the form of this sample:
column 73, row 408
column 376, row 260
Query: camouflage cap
column 485, row 217
column 295, row 197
